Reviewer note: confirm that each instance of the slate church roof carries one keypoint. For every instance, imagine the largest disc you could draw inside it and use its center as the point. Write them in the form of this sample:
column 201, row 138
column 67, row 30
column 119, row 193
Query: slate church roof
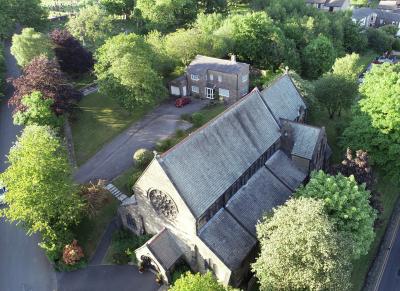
column 209, row 161
column 227, row 239
column 164, row 248
column 259, row 196
column 305, row 139
column 283, row 98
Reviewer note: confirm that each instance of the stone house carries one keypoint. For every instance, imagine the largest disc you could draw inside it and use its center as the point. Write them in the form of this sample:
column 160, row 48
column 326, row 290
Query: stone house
column 213, row 78
column 392, row 5
column 203, row 198
column 369, row 17
column 330, row 5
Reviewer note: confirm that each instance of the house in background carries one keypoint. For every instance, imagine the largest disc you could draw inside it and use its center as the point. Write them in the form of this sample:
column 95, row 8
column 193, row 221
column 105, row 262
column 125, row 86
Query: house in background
column 369, row 17
column 203, row 198
column 330, row 5
column 213, row 78
column 389, row 5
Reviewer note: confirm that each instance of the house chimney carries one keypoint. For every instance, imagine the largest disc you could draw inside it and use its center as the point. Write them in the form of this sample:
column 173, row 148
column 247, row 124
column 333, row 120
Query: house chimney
column 233, row 58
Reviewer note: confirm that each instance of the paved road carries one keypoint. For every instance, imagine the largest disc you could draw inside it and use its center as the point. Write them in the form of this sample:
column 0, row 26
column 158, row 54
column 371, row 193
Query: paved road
column 116, row 157
column 391, row 276
column 23, row 265
column 107, row 278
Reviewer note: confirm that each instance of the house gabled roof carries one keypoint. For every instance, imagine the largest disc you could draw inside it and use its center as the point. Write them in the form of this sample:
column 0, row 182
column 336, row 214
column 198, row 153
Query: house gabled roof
column 201, row 64
column 259, row 196
column 204, row 165
column 283, row 98
column 227, row 239
column 335, row 3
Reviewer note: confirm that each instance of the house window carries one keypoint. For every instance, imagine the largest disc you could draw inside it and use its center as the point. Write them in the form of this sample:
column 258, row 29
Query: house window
column 211, row 77
column 195, row 89
column 219, row 78
column 129, row 220
column 194, row 77
column 223, row 92
column 245, row 78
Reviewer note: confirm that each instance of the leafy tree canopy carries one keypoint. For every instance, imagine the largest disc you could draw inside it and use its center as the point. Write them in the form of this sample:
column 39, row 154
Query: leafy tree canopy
column 41, row 194
column 301, row 250
column 126, row 69
column 44, row 76
column 379, row 40
column 195, row 282
column 28, row 13
column 335, row 93
column 30, row 44
column 37, row 111
column 167, row 15
column 348, row 67
column 318, row 57
column 347, row 205
column 71, row 56
column 92, row 26
column 118, row 7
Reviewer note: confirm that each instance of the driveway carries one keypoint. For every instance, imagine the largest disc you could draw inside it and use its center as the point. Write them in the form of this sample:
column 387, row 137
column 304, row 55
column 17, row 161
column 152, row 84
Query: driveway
column 107, row 278
column 116, row 156
column 23, row 265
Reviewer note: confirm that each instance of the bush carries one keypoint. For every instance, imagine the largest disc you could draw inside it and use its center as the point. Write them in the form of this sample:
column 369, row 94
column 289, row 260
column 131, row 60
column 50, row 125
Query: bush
column 72, row 253
column 135, row 177
column 180, row 270
column 396, row 45
column 123, row 245
column 198, row 119
column 164, row 145
column 142, row 158
column 94, row 196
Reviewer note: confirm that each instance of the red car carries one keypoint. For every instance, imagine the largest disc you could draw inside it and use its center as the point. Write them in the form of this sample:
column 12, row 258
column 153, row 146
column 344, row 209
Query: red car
column 180, row 102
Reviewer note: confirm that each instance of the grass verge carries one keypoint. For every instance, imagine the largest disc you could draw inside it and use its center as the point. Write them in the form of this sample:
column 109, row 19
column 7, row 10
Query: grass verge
column 97, row 121
column 90, row 230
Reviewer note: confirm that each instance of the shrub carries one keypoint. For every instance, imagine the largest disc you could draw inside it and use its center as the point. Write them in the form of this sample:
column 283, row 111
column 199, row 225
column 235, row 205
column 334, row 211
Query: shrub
column 198, row 119
column 94, row 195
column 72, row 253
column 135, row 177
column 142, row 158
column 164, row 145
column 180, row 270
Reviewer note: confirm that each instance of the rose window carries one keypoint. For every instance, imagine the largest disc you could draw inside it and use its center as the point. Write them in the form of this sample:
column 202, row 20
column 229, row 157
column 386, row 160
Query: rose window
column 163, row 204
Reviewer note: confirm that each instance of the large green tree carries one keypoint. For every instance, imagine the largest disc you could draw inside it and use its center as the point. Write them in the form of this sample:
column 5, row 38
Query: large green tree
column 257, row 40
column 41, row 195
column 347, row 205
column 318, row 57
column 126, row 69
column 335, row 93
column 92, row 26
column 379, row 40
column 348, row 67
column 196, row 282
column 167, row 15
column 118, row 7
column 28, row 13
column 30, row 44
column 2, row 70
column 301, row 250
column 376, row 119
column 37, row 111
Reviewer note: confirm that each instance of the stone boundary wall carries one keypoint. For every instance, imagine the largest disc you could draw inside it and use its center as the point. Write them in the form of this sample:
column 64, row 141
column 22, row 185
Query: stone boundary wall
column 374, row 273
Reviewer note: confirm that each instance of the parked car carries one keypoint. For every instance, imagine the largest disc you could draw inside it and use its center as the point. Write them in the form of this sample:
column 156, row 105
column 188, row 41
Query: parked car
column 180, row 102
column 3, row 192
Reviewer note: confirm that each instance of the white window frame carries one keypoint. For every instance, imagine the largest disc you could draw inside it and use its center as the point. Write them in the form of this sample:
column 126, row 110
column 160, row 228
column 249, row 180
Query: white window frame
column 194, row 77
column 219, row 78
column 195, row 89
column 245, row 78
column 211, row 77
column 223, row 92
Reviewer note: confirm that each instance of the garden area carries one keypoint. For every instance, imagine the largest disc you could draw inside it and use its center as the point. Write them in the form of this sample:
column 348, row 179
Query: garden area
column 97, row 120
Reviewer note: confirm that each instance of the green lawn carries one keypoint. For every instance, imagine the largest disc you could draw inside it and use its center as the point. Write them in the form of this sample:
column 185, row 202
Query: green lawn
column 89, row 231
column 98, row 121
column 367, row 57
column 388, row 188
column 125, row 181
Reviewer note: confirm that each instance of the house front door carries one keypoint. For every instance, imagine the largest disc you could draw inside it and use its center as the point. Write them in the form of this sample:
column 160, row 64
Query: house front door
column 210, row 93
